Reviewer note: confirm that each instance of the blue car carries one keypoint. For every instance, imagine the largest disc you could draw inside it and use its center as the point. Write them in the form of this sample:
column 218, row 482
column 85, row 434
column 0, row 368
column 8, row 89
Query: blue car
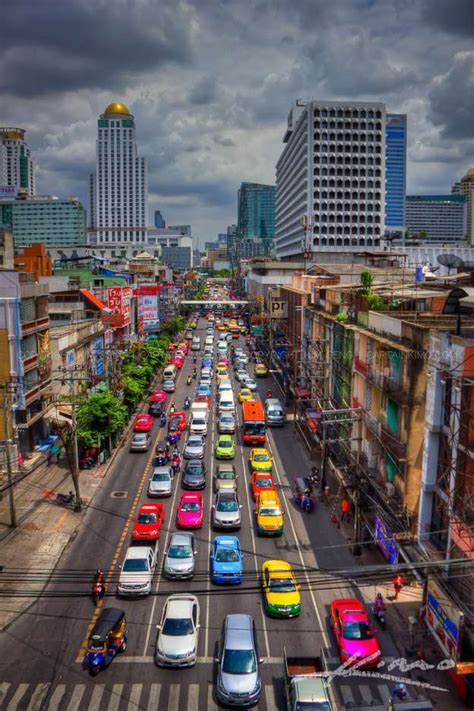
column 207, row 363
column 226, row 560
column 204, row 390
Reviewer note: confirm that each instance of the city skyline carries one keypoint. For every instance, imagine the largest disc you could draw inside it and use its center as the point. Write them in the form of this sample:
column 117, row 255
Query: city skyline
column 211, row 104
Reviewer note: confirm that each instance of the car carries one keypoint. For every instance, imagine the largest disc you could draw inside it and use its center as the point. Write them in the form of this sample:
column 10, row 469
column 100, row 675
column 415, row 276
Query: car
column 159, row 395
column 194, row 475
column 180, row 557
column 355, row 636
column 281, row 592
column 249, row 383
column 222, row 360
column 140, row 442
column 178, row 361
column 190, row 513
column 226, row 423
column 199, row 422
column 261, row 370
column 244, row 358
column 148, row 522
column 269, row 514
column 169, row 386
column 178, row 632
column 137, row 570
column 245, row 394
column 261, row 481
column 143, row 423
column 225, row 447
column 160, row 482
column 155, row 407
column 225, row 477
column 225, row 560
column 226, row 510
column 194, row 447
column 221, row 369
column 177, row 421
column 241, row 375
column 260, row 460
column 188, row 334
column 205, row 379
column 238, row 681
column 203, row 398
column 204, row 390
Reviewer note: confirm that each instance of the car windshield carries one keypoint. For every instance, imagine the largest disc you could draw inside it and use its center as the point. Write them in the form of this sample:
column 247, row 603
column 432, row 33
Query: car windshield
column 198, row 421
column 180, row 552
column 261, row 457
column 227, row 419
column 264, row 482
column 357, row 630
column 282, row 585
column 227, row 555
column 174, row 423
column 312, row 706
column 195, row 442
column 225, row 443
column 177, row 628
column 255, row 428
column 147, row 518
column 227, row 505
column 226, row 475
column 275, row 412
column 190, row 506
column 267, row 511
column 135, row 565
column 161, row 476
column 239, row 661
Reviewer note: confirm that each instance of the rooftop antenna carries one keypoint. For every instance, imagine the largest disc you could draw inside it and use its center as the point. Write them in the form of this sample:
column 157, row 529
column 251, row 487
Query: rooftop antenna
column 451, row 261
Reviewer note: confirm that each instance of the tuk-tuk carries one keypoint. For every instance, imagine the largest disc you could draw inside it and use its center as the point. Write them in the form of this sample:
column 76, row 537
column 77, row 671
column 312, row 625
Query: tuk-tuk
column 108, row 637
column 304, row 493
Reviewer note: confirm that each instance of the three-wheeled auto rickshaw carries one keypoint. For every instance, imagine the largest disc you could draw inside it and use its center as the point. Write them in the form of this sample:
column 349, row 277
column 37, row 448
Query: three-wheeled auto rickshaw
column 304, row 493
column 108, row 637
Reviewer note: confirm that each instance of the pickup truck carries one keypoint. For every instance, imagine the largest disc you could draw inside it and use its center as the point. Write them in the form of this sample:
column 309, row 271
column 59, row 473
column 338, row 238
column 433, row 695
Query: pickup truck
column 305, row 684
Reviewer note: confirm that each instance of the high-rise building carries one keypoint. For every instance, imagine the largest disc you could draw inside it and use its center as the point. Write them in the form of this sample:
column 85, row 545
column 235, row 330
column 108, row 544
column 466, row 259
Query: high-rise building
column 330, row 189
column 159, row 220
column 256, row 211
column 466, row 187
column 436, row 218
column 44, row 218
column 16, row 165
column 395, row 171
column 119, row 187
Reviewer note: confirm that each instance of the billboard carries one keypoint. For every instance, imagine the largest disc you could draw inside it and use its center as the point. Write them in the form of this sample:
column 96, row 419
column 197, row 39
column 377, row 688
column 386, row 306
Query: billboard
column 278, row 309
column 118, row 303
column 152, row 325
column 8, row 191
column 386, row 541
column 98, row 356
column 443, row 618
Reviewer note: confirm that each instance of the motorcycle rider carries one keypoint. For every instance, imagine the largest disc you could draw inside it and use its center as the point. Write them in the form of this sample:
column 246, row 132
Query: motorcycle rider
column 172, row 408
column 163, row 419
column 175, row 463
column 379, row 604
column 269, row 394
column 195, row 372
column 187, row 403
column 188, row 380
column 98, row 581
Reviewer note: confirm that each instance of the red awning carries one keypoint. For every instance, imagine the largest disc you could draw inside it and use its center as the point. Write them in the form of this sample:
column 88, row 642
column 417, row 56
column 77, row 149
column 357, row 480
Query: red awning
column 93, row 299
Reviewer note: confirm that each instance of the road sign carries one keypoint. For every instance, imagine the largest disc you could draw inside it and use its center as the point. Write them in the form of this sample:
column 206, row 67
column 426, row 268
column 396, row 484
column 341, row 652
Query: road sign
column 279, row 309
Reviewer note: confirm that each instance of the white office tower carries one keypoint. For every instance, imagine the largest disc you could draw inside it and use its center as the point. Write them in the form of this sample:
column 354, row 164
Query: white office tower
column 17, row 170
column 118, row 191
column 330, row 179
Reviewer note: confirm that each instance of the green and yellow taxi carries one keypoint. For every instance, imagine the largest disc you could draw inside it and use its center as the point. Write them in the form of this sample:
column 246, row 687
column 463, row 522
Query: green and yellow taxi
column 281, row 592
column 269, row 514
column 225, row 447
column 260, row 460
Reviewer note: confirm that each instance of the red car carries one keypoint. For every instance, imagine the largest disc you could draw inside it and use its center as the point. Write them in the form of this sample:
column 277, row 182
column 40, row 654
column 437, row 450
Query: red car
column 178, row 361
column 354, row 633
column 223, row 359
column 190, row 513
column 177, row 421
column 184, row 346
column 158, row 396
column 202, row 398
column 261, row 481
column 172, row 347
column 148, row 522
column 143, row 423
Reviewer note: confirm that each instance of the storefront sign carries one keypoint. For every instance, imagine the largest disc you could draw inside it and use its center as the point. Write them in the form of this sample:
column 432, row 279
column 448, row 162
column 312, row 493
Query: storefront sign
column 70, row 359
column 386, row 541
column 118, row 303
column 99, row 356
column 152, row 325
column 443, row 618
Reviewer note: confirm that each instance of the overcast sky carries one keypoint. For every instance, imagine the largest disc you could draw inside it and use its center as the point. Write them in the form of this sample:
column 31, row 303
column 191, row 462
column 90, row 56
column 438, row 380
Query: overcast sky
column 211, row 83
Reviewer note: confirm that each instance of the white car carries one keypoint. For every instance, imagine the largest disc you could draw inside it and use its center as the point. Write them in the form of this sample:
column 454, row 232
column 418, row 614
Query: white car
column 205, row 379
column 160, row 482
column 178, row 632
column 244, row 358
column 242, row 375
column 224, row 386
column 136, row 572
column 249, row 383
column 199, row 422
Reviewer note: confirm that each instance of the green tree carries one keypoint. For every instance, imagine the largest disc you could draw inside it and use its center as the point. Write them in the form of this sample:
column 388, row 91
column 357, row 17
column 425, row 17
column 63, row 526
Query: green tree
column 100, row 417
column 173, row 326
column 366, row 280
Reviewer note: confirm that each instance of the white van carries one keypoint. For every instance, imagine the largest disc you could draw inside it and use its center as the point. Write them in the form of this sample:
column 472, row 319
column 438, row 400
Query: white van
column 226, row 402
column 196, row 344
column 198, row 406
column 199, row 420
column 170, row 372
column 209, row 341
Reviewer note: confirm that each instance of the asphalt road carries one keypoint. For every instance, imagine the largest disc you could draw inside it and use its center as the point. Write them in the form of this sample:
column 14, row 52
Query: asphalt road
column 41, row 655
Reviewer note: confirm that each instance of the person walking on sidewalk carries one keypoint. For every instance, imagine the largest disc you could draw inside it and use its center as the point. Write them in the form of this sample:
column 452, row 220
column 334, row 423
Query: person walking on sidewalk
column 345, row 509
column 398, row 583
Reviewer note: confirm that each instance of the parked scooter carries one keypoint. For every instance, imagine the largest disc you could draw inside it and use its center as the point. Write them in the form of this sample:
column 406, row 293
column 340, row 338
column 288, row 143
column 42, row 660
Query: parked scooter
column 66, row 499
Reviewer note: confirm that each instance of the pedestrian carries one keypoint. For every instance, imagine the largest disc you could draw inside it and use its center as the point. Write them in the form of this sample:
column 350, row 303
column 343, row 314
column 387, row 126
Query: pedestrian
column 345, row 509
column 398, row 583
column 49, row 457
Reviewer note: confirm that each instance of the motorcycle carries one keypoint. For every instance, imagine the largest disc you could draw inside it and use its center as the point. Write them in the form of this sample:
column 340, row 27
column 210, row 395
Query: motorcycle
column 194, row 373
column 304, row 494
column 189, row 380
column 187, row 404
column 379, row 614
column 66, row 499
column 98, row 591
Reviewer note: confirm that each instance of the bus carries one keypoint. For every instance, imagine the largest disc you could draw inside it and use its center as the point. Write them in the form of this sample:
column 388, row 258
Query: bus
column 253, row 418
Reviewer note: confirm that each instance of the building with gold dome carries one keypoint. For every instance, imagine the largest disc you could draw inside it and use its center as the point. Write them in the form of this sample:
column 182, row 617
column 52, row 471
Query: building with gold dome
column 17, row 170
column 466, row 187
column 118, row 189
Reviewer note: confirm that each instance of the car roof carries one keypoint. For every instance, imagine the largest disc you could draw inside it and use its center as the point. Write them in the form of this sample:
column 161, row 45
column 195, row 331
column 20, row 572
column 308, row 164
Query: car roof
column 140, row 435
column 161, row 470
column 226, row 437
column 149, row 507
column 278, row 566
column 226, row 494
column 179, row 538
column 179, row 606
column 227, row 541
column 190, row 496
column 239, row 631
column 137, row 552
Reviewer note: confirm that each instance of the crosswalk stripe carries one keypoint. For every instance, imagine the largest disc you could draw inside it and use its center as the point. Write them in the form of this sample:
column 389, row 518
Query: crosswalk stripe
column 384, row 692
column 134, row 700
column 56, row 697
column 3, row 691
column 154, row 698
column 173, row 700
column 211, row 706
column 346, row 693
column 17, row 697
column 115, row 697
column 366, row 693
column 193, row 697
column 76, row 698
column 270, row 701
column 96, row 697
column 36, row 700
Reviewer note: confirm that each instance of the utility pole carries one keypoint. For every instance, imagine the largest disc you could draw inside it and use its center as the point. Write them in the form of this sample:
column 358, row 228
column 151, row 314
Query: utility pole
column 323, row 455
column 6, row 425
column 75, row 453
column 356, row 546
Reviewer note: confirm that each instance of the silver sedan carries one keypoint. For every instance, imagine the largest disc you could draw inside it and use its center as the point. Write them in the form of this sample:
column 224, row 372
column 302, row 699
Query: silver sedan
column 194, row 448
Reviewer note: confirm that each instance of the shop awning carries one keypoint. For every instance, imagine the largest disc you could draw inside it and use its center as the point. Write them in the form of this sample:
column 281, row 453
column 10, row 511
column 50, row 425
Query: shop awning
column 93, row 299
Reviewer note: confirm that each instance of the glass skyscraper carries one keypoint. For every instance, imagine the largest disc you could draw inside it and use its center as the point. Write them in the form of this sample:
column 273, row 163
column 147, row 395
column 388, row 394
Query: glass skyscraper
column 256, row 211
column 395, row 171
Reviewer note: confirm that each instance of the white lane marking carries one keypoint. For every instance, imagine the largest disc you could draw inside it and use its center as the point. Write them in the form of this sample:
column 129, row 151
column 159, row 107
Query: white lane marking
column 346, row 693
column 384, row 692
column 76, row 698
column 211, row 705
column 154, row 698
column 270, row 700
column 17, row 697
column 134, row 700
column 193, row 697
column 96, row 697
column 115, row 697
column 56, row 697
column 173, row 700
column 209, row 533
column 4, row 691
column 36, row 700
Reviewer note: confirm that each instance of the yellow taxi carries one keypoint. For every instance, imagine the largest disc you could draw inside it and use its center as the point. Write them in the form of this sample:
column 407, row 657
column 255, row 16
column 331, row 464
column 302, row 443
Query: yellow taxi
column 260, row 460
column 222, row 376
column 281, row 592
column 220, row 327
column 245, row 394
column 269, row 514
column 261, row 370
column 221, row 368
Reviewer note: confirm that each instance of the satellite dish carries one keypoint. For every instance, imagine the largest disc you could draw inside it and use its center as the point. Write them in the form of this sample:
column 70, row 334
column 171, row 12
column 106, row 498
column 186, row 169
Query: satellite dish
column 451, row 261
